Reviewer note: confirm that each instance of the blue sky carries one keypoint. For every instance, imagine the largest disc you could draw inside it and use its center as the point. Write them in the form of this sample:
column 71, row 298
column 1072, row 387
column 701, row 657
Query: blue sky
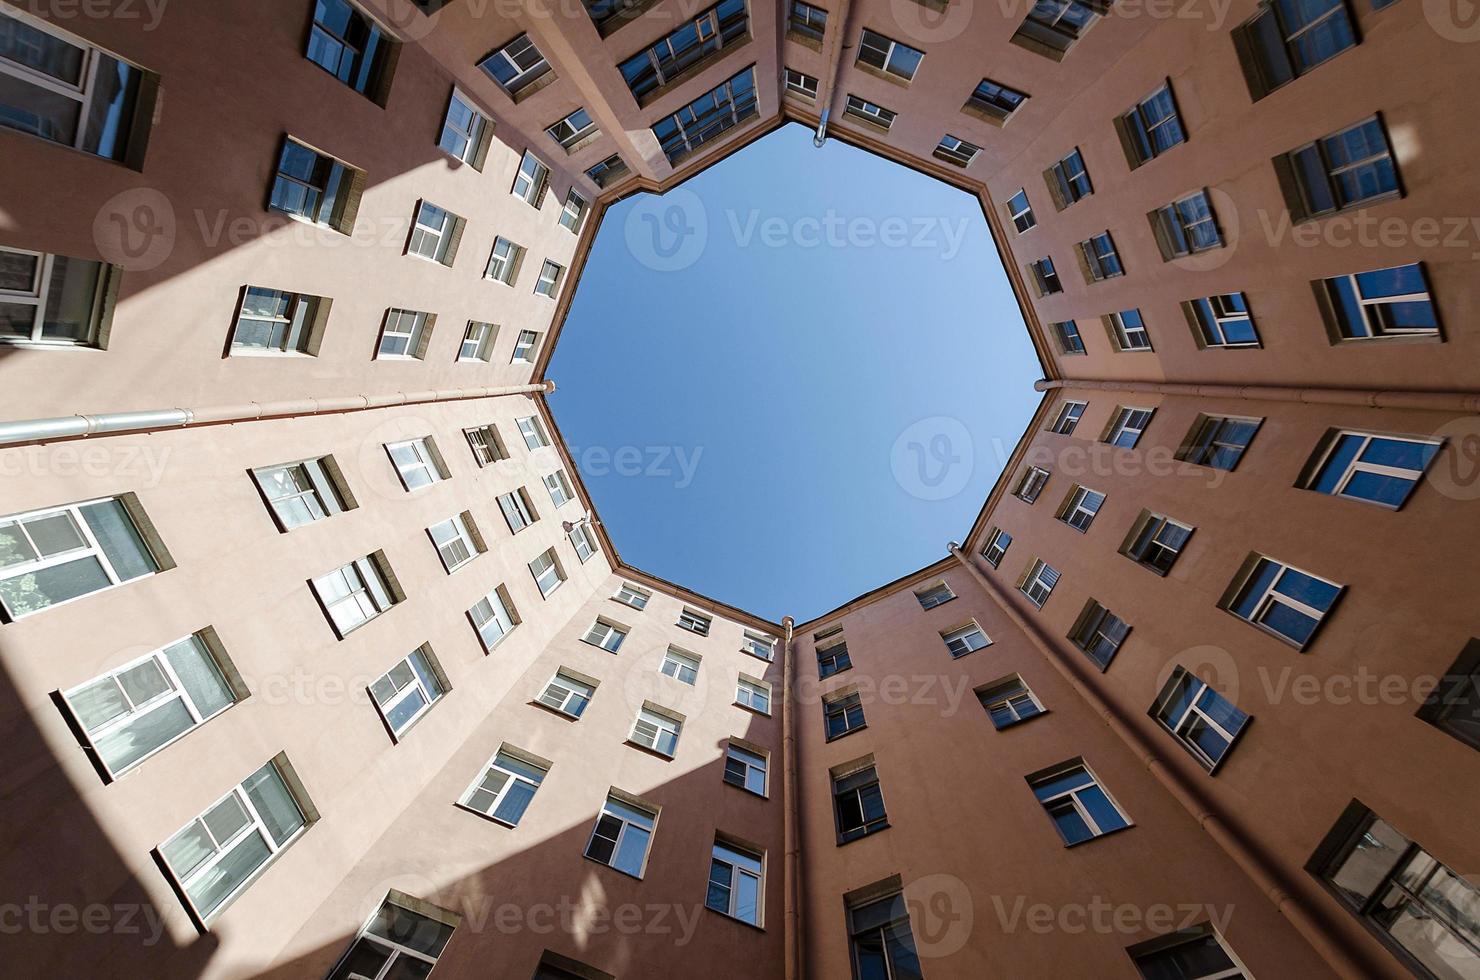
column 795, row 377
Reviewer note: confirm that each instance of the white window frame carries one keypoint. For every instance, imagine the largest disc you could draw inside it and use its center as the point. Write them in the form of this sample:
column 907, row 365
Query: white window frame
column 1357, row 465
column 956, row 150
column 680, row 661
column 426, row 462
column 1271, row 597
column 367, row 589
column 503, row 261
column 1072, row 796
column 1031, row 484
column 533, row 432
column 1009, row 694
column 799, row 82
column 438, row 234
column 512, row 777
column 1069, row 415
column 417, row 685
column 934, row 595
column 1077, row 512
column 1139, row 548
column 481, row 124
column 870, row 111
column 995, row 547
column 322, row 497
column 724, row 855
column 758, row 645
column 632, row 595
column 562, row 690
column 583, row 540
column 572, row 134
column 959, row 641
column 1212, row 326
column 547, row 571
column 1371, row 307
column 608, row 810
column 753, row 762
column 573, row 212
column 753, row 694
column 1024, row 220
column 300, row 330
column 530, row 180
column 399, row 324
column 501, row 614
column 486, row 444
column 40, row 292
column 477, row 343
column 1130, row 338
column 1124, row 416
column 523, row 76
column 548, row 284
column 659, row 724
column 1037, row 581
column 605, row 634
column 558, row 486
column 461, row 546
column 695, row 622
column 1179, row 726
column 524, row 346
column 884, row 49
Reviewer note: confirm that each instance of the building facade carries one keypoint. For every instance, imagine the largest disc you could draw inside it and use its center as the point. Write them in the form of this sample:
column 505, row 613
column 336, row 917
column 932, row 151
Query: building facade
column 350, row 680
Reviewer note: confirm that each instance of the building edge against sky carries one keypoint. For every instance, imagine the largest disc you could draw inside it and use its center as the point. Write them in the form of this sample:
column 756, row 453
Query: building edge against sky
column 373, row 688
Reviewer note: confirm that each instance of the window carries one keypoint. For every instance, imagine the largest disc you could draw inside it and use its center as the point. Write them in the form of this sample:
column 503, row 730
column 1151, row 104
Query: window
column 680, row 52
column 869, row 112
column 832, row 656
column 1068, row 180
column 52, row 556
column 1069, row 340
column 559, row 488
column 573, row 212
column 549, row 281
column 574, row 129
column 316, row 188
column 694, row 622
column 608, row 15
column 567, row 694
column 656, row 730
column 1346, row 169
column 735, row 883
column 1416, row 905
column 533, row 432
column 553, row 966
column 622, row 834
column 633, row 596
column 547, row 571
column 955, row 150
column 1381, row 470
column 1080, row 507
column 799, row 83
column 583, row 540
column 1008, row 702
column 607, row 635
column 1126, row 428
column 1068, row 418
column 1151, row 127
column 1021, row 212
column 1031, row 484
column 1101, row 261
column 466, row 131
column 1128, row 331
column 934, row 595
column 842, row 714
column 1196, row 954
column 998, row 541
column 301, row 493
column 1218, row 441
column 53, row 299
column 356, row 593
column 965, row 639
column 1282, row 600
column 493, row 617
column 680, row 666
column 1045, row 277
column 506, row 787
column 891, row 57
column 1221, row 321
column 1079, row 806
column 1052, row 26
column 745, row 769
column 487, row 446
column 530, row 181
column 858, row 804
column 525, row 345
column 707, row 117
column 608, row 171
column 269, row 321
column 1155, row 542
column 1454, row 706
column 1186, row 227
column 457, row 541
column 758, row 645
column 435, row 234
column 417, row 462
column 1384, row 303
column 879, row 940
column 217, row 855
column 408, row 690
column 753, row 694
column 135, row 710
column 403, row 938
column 405, row 333
column 995, row 103
column 516, row 66
column 1285, row 40
column 807, row 20
column 1038, row 582
column 350, row 46
column 62, row 89
column 477, row 342
column 503, row 261
column 1204, row 721
column 1099, row 633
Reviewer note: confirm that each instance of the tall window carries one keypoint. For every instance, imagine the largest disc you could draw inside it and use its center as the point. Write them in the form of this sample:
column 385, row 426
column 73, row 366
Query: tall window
column 656, row 730
column 682, row 667
column 1287, row 39
column 567, row 695
column 622, row 834
column 53, row 299
column 1186, row 226
column 1008, row 702
column 807, row 20
column 477, row 342
column 858, row 804
column 417, row 462
column 832, row 654
column 356, row 593
column 753, row 694
column 1377, row 469
column 435, row 234
column 1020, row 211
column 1031, row 484
column 272, row 321
column 457, row 541
column 517, row 509
column 869, row 112
column 707, row 117
column 397, row 941
column 405, row 334
column 503, row 261
column 548, row 574
column 1080, row 507
column 316, row 188
column 1038, row 582
column 301, row 493
column 1070, row 342
column 1282, row 600
column 1346, row 169
column 1068, row 180
column 678, row 52
column 135, row 710
column 1222, row 321
column 965, row 639
column 934, row 595
column 493, row 617
column 1379, row 304
column 880, row 943
column 1155, row 541
column 506, row 787
column 736, row 882
column 516, row 66
column 1068, row 418
column 531, row 180
column 889, row 56
column 995, row 102
column 607, row 635
column 408, row 690
column 1099, row 633
column 573, row 129
column 559, row 488
column 349, row 45
column 216, row 856
column 465, row 131
column 55, row 555
column 1101, row 261
column 1045, row 277
column 1127, row 425
column 745, row 769
column 1219, row 441
column 1151, row 127
column 1204, row 721
column 998, row 541
column 1079, row 807
column 573, row 212
column 842, row 714
column 548, row 284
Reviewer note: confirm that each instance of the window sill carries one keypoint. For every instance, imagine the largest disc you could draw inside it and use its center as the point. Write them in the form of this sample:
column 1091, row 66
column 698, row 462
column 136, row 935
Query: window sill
column 754, row 711
column 990, row 118
column 650, row 751
column 486, row 816
column 868, row 121
column 600, row 647
column 747, row 792
column 734, row 919
column 805, row 40
column 613, row 867
column 252, row 352
column 565, row 715
column 1108, row 833
column 1019, row 721
column 864, row 836
column 877, row 72
column 842, row 735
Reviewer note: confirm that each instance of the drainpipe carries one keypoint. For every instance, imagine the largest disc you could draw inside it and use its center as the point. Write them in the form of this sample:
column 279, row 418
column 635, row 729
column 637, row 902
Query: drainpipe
column 1466, row 402
column 1265, row 875
column 836, row 43
column 792, row 810
column 110, row 423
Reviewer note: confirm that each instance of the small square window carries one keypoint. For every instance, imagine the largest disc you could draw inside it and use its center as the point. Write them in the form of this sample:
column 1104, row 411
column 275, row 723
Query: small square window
column 1079, row 806
column 1008, row 702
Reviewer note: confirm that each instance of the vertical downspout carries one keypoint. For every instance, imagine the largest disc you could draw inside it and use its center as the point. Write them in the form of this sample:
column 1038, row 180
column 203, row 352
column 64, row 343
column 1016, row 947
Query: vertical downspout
column 792, row 809
column 1264, row 875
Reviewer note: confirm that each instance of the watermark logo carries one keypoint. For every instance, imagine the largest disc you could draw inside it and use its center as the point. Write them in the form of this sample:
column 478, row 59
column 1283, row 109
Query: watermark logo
column 1456, row 473
column 833, row 230
column 674, row 463
column 151, row 12
column 1225, row 212
column 932, row 23
column 135, row 229
column 1214, row 666
column 941, row 914
column 1454, row 20
column 934, row 458
column 668, row 233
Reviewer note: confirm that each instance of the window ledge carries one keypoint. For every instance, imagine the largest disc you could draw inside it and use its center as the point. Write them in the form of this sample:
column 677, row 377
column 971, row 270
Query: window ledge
column 1108, row 833
column 486, row 816
column 567, row 716
column 650, row 751
column 851, row 731
column 754, row 711
column 734, row 919
column 887, row 76
column 854, row 840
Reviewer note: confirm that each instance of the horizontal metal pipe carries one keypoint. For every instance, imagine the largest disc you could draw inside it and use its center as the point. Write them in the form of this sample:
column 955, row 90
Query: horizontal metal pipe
column 1465, row 402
